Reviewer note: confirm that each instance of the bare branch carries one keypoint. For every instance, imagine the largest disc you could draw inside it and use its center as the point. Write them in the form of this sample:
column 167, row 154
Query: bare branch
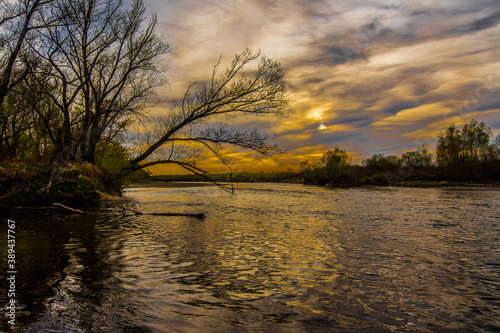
column 229, row 93
column 191, row 168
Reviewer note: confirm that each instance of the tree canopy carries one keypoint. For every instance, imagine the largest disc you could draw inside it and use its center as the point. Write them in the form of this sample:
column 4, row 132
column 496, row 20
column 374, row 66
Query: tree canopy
column 471, row 145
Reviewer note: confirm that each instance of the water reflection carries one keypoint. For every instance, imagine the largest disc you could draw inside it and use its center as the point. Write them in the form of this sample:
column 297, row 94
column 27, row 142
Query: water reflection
column 274, row 258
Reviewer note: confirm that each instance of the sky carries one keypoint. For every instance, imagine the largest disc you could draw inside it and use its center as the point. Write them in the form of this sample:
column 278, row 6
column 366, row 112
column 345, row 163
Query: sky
column 368, row 76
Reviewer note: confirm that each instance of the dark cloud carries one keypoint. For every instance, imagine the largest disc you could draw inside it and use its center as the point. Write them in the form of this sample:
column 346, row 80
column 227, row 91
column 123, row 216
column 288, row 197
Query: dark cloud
column 374, row 29
column 491, row 104
column 357, row 121
column 336, row 138
column 494, row 123
column 369, row 90
column 313, row 80
column 435, row 22
column 400, row 106
column 334, row 88
column 337, row 55
column 487, row 22
column 474, row 97
column 422, row 12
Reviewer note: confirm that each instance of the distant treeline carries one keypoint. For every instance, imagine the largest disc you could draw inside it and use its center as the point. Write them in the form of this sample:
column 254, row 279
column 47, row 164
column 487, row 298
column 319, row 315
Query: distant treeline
column 469, row 154
column 238, row 177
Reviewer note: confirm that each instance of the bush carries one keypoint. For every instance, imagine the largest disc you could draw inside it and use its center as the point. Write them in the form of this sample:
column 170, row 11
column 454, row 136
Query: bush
column 381, row 163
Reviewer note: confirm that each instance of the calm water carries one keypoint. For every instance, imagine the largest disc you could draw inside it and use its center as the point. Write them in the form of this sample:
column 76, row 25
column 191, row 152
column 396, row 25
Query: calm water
column 273, row 258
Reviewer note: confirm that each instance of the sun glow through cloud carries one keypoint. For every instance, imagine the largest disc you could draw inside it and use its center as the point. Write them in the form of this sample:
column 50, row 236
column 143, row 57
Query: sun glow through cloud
column 367, row 76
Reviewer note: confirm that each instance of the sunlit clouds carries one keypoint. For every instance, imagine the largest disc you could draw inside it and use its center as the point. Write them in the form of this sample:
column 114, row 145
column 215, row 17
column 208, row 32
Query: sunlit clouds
column 367, row 76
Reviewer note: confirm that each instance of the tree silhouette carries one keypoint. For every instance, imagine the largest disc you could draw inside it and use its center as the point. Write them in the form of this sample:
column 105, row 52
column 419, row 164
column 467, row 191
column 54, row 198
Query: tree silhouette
column 101, row 69
column 17, row 20
column 228, row 94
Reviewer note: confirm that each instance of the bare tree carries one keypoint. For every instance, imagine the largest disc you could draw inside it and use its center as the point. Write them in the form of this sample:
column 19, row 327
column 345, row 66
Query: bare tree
column 16, row 21
column 232, row 92
column 19, row 22
column 102, row 68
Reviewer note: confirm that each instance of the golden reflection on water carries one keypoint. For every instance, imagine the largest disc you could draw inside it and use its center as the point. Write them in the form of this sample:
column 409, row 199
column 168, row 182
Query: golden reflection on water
column 287, row 258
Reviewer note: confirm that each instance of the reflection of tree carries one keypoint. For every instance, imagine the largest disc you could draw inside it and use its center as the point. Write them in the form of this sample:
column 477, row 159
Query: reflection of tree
column 65, row 265
column 40, row 260
column 224, row 265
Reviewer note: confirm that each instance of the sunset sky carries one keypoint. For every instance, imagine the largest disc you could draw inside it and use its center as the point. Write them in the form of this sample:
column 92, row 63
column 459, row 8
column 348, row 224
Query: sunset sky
column 369, row 76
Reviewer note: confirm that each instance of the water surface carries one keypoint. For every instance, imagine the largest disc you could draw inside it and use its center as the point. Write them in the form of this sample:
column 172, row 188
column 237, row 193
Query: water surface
column 273, row 258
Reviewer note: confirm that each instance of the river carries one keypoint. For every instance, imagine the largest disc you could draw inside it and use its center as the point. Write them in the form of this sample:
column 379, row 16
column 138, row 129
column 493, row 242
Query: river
column 272, row 258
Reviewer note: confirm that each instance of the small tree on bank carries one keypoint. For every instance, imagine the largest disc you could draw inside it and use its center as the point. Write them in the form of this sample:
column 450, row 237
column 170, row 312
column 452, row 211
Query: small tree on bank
column 421, row 157
column 464, row 152
column 333, row 167
column 381, row 163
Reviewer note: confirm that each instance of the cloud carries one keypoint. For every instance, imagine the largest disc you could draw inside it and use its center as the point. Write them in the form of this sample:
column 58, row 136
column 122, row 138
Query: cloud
column 365, row 75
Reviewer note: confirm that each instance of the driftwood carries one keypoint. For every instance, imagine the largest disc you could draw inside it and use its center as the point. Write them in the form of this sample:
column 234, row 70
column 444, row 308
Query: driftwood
column 197, row 215
column 200, row 216
column 72, row 209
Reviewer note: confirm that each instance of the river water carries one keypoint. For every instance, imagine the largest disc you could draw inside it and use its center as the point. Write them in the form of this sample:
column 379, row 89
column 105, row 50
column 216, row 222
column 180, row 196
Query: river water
column 273, row 258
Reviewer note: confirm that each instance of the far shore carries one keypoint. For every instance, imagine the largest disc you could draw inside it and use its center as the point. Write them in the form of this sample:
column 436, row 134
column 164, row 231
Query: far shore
column 422, row 184
column 169, row 184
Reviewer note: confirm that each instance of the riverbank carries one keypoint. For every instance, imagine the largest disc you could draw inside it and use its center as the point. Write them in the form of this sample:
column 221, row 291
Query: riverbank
column 85, row 183
column 41, row 185
column 432, row 184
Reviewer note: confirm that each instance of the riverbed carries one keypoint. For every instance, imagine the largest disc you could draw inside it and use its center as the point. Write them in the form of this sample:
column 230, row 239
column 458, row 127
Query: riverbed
column 271, row 258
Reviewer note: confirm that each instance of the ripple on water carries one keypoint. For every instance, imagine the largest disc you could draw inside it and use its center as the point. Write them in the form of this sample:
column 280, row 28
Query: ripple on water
column 279, row 258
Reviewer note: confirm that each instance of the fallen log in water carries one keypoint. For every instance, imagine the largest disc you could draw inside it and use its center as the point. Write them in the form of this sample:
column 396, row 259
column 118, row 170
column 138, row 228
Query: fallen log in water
column 200, row 216
column 72, row 209
column 197, row 215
